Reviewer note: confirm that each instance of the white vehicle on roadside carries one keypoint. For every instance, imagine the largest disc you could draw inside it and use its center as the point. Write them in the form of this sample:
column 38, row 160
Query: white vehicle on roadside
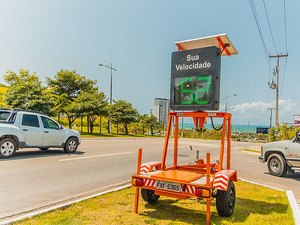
column 282, row 157
column 4, row 114
column 28, row 129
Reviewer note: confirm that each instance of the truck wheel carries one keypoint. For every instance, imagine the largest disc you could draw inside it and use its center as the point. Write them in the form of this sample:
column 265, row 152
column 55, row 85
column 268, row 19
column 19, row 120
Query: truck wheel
column 225, row 201
column 149, row 196
column 277, row 165
column 71, row 145
column 8, row 148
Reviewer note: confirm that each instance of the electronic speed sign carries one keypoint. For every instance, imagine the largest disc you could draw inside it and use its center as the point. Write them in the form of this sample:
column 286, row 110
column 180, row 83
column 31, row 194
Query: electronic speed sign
column 195, row 79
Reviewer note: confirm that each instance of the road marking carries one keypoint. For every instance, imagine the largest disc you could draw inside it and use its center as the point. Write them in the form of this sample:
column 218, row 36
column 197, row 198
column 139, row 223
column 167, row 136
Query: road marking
column 95, row 156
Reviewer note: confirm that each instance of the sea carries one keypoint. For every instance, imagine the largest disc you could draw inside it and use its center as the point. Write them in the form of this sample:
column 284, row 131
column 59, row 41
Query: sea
column 235, row 128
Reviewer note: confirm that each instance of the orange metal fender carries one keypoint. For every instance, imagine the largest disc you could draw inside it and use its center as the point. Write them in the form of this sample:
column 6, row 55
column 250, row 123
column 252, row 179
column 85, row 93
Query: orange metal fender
column 222, row 179
column 149, row 167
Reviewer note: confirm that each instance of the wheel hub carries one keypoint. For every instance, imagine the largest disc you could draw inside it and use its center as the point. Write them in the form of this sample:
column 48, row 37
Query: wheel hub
column 275, row 165
column 7, row 148
column 72, row 145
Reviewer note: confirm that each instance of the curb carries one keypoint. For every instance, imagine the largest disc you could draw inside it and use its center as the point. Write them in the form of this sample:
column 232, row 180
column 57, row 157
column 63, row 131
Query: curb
column 51, row 208
column 252, row 182
column 294, row 206
column 291, row 197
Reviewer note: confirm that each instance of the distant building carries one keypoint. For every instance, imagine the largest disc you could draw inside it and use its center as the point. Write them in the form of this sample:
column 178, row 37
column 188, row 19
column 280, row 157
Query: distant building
column 161, row 109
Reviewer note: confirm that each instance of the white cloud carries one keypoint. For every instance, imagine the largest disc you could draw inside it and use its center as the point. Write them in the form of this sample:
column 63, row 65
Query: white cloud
column 250, row 106
column 284, row 106
column 258, row 113
column 287, row 105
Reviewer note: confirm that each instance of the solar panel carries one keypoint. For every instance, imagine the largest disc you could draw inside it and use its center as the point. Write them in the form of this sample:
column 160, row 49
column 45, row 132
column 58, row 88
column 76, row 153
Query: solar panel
column 221, row 41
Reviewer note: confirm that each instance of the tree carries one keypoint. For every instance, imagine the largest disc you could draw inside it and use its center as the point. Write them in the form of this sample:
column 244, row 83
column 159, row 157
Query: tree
column 66, row 86
column 122, row 112
column 143, row 122
column 91, row 104
column 25, row 91
column 152, row 123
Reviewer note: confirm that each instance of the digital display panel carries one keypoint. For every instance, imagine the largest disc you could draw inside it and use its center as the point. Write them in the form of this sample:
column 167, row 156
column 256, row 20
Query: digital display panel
column 193, row 90
column 195, row 79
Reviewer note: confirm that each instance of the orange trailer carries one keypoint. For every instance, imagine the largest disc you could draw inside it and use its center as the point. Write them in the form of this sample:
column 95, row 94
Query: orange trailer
column 203, row 179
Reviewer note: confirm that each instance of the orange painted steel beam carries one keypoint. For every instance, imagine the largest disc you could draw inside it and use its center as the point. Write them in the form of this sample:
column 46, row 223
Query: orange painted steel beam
column 222, row 147
column 179, row 47
column 140, row 152
column 224, row 48
column 208, row 200
column 137, row 190
column 175, row 142
column 229, row 143
column 207, row 168
column 208, row 184
column 165, row 149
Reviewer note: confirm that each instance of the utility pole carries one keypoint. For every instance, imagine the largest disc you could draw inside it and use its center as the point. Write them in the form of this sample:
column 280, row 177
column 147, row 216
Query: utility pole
column 271, row 112
column 276, row 86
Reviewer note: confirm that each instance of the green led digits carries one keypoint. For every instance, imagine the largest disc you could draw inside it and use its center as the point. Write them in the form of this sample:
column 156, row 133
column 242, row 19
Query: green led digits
column 187, row 91
column 195, row 90
column 203, row 93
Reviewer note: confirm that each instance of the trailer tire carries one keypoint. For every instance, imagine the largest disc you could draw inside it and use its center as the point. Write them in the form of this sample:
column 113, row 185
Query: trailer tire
column 149, row 196
column 225, row 201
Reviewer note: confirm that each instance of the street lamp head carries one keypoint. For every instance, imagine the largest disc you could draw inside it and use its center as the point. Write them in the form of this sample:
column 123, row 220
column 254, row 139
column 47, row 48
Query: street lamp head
column 101, row 64
column 235, row 95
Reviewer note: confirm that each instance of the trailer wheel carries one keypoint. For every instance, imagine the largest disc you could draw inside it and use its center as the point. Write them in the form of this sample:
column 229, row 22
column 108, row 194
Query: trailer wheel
column 149, row 196
column 277, row 165
column 226, row 200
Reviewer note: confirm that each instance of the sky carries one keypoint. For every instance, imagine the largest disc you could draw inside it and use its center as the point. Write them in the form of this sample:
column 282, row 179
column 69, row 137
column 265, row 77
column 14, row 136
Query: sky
column 138, row 37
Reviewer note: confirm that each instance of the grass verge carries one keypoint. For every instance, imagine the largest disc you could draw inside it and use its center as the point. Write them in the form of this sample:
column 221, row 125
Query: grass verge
column 255, row 205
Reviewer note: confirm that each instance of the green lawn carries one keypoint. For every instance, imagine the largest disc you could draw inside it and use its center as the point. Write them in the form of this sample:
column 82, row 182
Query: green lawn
column 255, row 205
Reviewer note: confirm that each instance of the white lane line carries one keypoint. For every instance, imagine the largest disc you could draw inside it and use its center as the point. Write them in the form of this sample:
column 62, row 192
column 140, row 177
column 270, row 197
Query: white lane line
column 95, row 156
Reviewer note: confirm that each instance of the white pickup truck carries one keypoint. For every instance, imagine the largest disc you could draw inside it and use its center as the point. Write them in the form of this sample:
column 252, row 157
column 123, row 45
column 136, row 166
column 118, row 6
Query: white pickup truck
column 282, row 156
column 27, row 129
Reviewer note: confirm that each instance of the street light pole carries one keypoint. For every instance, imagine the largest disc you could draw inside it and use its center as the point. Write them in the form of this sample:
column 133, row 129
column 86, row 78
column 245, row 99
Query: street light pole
column 110, row 93
column 229, row 96
column 271, row 110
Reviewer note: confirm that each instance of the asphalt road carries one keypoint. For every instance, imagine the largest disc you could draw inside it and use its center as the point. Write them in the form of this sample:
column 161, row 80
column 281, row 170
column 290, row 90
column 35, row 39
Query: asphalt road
column 34, row 179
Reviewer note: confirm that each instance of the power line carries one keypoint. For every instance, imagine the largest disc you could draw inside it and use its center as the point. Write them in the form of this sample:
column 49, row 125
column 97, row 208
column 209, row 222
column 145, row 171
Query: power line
column 253, row 8
column 286, row 42
column 282, row 81
column 286, row 45
column 269, row 24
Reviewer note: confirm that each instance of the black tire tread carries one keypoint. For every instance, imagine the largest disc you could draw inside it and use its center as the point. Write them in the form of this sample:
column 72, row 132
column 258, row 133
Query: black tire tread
column 149, row 196
column 222, row 201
